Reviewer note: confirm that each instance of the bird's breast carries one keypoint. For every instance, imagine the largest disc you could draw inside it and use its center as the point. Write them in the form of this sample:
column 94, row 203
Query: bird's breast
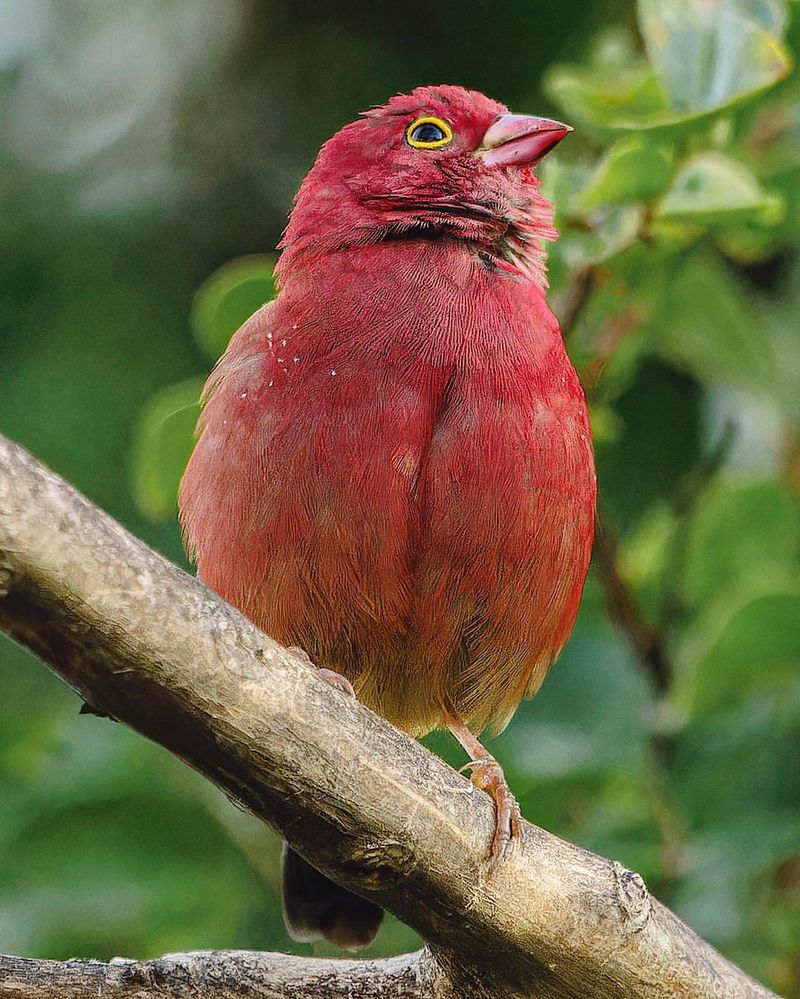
column 398, row 478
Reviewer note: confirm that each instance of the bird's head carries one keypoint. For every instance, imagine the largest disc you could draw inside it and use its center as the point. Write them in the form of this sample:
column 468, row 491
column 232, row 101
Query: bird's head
column 441, row 163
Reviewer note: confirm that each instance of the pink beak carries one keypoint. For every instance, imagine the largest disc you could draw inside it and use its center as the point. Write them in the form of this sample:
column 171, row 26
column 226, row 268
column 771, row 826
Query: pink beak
column 520, row 140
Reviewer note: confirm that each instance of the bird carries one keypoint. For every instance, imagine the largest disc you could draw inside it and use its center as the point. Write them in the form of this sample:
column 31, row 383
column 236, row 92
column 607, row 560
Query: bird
column 393, row 468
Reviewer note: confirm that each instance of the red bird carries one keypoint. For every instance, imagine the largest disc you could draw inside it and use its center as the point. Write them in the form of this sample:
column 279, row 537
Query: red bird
column 394, row 466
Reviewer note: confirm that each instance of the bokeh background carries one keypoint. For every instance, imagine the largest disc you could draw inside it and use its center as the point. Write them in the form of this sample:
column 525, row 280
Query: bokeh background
column 147, row 145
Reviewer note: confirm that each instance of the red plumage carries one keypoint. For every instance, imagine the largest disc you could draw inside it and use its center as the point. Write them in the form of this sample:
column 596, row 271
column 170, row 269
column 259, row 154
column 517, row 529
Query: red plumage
column 394, row 469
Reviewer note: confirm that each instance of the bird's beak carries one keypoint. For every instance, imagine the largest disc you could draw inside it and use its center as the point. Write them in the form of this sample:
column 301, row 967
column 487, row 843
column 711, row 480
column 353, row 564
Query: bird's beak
column 520, row 140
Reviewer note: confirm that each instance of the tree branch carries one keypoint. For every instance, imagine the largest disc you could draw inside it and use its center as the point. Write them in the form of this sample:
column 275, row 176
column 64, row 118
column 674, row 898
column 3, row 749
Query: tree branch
column 221, row 974
column 146, row 644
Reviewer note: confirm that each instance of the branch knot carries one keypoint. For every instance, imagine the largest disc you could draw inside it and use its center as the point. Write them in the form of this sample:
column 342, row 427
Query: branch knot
column 380, row 866
column 633, row 897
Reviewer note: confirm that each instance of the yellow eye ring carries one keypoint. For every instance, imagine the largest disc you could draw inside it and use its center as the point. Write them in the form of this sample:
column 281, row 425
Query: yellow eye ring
column 437, row 134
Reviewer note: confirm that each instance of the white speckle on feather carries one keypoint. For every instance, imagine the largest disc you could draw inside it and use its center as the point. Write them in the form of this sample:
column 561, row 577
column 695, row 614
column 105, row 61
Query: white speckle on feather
column 269, row 384
column 243, row 395
column 333, row 373
column 296, row 359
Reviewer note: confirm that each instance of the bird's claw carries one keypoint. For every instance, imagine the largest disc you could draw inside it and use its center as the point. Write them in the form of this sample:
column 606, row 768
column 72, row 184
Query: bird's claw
column 487, row 775
column 474, row 765
column 300, row 653
column 337, row 680
column 334, row 679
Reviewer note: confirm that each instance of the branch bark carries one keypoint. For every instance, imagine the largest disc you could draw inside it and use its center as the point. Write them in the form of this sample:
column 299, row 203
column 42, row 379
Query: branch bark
column 148, row 645
column 221, row 974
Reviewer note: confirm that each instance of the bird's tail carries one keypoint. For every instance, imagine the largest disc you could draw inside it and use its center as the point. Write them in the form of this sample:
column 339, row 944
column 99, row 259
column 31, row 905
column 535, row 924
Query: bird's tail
column 315, row 907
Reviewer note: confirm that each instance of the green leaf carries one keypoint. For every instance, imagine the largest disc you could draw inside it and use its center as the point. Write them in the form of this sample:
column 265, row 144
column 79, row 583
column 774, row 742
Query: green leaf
column 633, row 169
column 708, row 55
column 736, row 782
column 709, row 327
column 728, row 765
column 228, row 298
column 743, row 648
column 748, row 243
column 725, row 866
column 577, row 721
column 624, row 98
column 613, row 227
column 611, row 87
column 723, row 548
column 704, row 57
column 658, row 444
column 711, row 188
column 613, row 230
column 162, row 445
column 644, row 554
column 609, row 340
column 605, row 423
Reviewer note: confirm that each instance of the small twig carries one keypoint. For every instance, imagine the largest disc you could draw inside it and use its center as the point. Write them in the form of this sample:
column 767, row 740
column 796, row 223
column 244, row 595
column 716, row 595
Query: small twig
column 575, row 297
column 646, row 639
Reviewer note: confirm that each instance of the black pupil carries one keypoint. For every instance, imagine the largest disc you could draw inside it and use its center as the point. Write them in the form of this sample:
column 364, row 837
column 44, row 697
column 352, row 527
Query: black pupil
column 428, row 132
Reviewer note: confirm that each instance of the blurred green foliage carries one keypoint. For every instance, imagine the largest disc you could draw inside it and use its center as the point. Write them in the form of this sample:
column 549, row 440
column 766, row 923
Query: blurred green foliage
column 678, row 276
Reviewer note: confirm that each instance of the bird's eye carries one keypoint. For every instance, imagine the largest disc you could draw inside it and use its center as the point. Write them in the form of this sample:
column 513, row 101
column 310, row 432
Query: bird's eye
column 428, row 133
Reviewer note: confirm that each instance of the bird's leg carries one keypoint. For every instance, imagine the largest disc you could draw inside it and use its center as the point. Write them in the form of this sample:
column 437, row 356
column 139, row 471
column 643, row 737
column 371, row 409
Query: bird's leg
column 334, row 679
column 487, row 774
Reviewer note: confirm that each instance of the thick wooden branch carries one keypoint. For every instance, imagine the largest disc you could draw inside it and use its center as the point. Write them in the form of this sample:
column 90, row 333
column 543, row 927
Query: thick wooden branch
column 147, row 644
